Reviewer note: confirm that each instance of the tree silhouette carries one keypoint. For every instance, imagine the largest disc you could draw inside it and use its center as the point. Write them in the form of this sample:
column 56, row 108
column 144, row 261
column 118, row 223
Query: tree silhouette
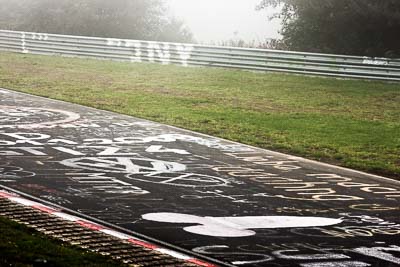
column 357, row 27
column 133, row 19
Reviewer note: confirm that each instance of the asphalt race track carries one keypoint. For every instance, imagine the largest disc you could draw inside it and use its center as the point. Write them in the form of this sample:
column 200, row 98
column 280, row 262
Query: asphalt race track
column 235, row 203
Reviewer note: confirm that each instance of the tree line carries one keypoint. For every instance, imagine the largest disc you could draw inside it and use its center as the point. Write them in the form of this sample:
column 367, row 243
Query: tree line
column 352, row 27
column 131, row 19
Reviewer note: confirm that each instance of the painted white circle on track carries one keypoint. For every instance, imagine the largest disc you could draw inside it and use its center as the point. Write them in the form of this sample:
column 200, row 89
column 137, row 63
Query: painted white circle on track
column 13, row 172
column 32, row 117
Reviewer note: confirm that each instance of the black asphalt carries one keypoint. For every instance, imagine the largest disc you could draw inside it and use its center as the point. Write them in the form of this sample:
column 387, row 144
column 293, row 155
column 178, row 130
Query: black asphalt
column 229, row 201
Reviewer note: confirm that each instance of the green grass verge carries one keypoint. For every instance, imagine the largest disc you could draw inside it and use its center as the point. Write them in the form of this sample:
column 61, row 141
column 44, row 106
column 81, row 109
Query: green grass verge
column 22, row 246
column 351, row 123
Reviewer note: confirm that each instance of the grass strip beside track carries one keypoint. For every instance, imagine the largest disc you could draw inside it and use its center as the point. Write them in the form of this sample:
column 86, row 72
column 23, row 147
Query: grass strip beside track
column 351, row 123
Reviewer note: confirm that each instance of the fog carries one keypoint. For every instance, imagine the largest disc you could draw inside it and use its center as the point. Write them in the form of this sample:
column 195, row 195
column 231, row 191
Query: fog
column 210, row 21
column 218, row 20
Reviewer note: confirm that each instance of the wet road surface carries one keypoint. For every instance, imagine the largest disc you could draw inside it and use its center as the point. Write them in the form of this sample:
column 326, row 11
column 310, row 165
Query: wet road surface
column 238, row 204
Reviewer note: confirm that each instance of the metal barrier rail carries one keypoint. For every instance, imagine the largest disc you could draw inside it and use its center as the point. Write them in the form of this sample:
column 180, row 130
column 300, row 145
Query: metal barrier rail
column 201, row 55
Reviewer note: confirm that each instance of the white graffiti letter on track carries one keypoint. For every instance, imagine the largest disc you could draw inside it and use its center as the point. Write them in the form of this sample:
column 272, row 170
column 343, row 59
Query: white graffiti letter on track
column 123, row 165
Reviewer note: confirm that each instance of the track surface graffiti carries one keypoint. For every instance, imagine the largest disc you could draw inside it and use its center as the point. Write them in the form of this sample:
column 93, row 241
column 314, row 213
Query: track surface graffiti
column 31, row 117
column 239, row 204
column 237, row 226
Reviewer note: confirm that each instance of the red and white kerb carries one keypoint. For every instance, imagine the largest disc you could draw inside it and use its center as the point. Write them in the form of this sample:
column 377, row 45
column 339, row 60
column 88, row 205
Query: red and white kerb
column 97, row 227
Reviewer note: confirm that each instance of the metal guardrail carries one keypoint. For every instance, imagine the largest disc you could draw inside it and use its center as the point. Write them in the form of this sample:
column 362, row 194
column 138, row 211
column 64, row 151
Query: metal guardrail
column 201, row 55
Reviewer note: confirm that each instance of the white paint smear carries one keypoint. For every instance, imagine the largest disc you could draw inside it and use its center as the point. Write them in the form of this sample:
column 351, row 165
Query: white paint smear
column 115, row 234
column 237, row 226
column 382, row 253
column 173, row 253
column 336, row 264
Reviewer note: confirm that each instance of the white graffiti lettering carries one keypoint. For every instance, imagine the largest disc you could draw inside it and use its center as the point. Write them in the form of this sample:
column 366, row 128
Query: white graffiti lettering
column 181, row 179
column 124, row 165
column 100, row 182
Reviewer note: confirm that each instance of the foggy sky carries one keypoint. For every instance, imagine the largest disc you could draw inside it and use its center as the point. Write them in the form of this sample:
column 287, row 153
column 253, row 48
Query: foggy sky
column 217, row 20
